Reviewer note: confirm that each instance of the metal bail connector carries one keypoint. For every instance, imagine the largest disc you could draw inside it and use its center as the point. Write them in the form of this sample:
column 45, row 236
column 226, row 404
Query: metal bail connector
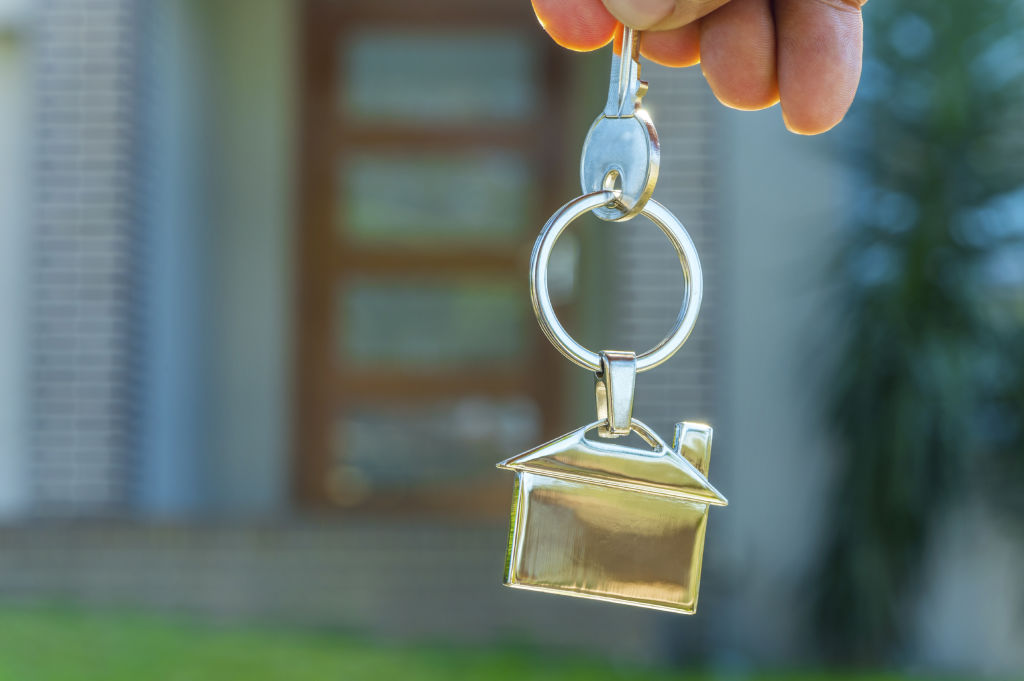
column 614, row 387
column 621, row 151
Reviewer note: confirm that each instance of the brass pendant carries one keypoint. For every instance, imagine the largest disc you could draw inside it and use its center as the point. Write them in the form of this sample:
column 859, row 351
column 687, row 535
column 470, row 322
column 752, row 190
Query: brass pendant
column 600, row 520
column 592, row 518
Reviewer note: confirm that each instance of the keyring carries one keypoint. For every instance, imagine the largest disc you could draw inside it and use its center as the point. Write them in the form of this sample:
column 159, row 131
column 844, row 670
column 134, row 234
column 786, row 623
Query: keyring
column 575, row 497
column 692, row 278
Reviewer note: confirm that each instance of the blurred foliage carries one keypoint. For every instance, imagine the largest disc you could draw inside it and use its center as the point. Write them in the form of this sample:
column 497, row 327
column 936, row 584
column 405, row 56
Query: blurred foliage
column 52, row 645
column 927, row 393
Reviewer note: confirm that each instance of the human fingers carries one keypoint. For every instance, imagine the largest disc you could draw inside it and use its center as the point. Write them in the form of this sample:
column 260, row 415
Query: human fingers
column 588, row 25
column 576, row 24
column 660, row 15
column 819, row 60
column 737, row 54
column 675, row 47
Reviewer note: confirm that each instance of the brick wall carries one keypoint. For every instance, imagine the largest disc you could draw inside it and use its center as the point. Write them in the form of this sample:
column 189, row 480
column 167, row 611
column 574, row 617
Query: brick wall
column 428, row 580
column 81, row 423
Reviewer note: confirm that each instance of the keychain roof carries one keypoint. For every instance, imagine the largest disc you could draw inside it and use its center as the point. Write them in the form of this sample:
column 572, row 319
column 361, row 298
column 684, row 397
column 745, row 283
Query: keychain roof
column 663, row 471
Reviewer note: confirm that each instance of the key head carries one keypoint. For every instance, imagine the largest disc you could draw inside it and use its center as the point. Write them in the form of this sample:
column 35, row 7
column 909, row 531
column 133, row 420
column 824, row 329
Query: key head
column 627, row 146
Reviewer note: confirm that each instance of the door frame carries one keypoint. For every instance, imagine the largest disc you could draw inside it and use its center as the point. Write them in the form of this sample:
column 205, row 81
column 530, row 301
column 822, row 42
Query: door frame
column 319, row 390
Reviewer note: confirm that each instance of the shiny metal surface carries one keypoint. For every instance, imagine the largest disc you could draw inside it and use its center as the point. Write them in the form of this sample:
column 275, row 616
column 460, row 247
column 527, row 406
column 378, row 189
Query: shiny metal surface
column 614, row 387
column 622, row 140
column 625, row 89
column 592, row 518
column 688, row 259
column 661, row 470
column 600, row 520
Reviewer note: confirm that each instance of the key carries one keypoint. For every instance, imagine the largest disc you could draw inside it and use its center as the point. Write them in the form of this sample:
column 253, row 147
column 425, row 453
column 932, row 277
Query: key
column 621, row 149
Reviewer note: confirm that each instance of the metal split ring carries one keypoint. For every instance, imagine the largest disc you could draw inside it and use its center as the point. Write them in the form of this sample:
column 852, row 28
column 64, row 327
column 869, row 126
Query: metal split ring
column 692, row 278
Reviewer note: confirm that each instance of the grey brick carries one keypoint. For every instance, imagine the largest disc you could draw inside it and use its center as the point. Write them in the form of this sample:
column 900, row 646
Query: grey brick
column 82, row 273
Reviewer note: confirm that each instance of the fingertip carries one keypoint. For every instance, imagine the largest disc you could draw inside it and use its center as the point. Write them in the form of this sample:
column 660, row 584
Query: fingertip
column 748, row 102
column 812, row 105
column 743, row 93
column 737, row 44
column 580, row 25
column 760, row 94
column 676, row 48
column 819, row 63
column 801, row 122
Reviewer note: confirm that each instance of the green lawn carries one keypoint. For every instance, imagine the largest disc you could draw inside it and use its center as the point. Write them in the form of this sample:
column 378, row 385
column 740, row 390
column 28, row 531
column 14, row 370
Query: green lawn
column 60, row 645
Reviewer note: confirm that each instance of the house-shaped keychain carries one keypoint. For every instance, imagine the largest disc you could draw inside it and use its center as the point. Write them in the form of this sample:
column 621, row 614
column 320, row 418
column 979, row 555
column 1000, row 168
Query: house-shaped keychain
column 600, row 520
column 591, row 518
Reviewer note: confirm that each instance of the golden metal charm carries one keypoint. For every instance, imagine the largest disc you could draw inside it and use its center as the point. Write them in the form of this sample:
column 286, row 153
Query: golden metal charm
column 591, row 518
column 614, row 523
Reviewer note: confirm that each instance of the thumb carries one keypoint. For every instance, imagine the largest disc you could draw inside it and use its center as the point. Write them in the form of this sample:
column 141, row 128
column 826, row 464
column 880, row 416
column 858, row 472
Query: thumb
column 660, row 15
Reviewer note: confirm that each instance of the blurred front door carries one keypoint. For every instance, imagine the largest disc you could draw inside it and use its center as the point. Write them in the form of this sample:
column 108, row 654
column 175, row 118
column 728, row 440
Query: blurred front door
column 432, row 138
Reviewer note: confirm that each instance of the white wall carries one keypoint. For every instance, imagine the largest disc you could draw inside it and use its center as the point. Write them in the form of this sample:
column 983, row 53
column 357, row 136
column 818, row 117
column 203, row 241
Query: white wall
column 174, row 450
column 782, row 203
column 780, row 209
column 219, row 141
column 15, row 16
column 249, row 151
column 971, row 616
column 15, row 170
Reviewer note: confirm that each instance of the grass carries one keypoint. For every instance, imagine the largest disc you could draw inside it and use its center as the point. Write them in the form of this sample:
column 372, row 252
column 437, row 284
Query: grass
column 62, row 645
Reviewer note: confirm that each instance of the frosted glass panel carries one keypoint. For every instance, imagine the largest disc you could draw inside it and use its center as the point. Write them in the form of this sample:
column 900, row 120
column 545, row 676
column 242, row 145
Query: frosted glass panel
column 425, row 78
column 402, row 446
column 431, row 200
column 430, row 324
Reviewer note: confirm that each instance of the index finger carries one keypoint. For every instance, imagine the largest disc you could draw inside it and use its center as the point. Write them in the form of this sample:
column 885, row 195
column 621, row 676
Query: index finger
column 584, row 25
column 576, row 24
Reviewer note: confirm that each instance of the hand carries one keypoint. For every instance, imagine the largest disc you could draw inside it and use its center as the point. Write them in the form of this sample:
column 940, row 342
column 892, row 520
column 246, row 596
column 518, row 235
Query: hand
column 754, row 53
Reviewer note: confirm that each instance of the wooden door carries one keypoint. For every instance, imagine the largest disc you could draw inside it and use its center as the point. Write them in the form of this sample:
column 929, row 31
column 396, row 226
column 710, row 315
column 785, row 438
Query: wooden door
column 432, row 146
